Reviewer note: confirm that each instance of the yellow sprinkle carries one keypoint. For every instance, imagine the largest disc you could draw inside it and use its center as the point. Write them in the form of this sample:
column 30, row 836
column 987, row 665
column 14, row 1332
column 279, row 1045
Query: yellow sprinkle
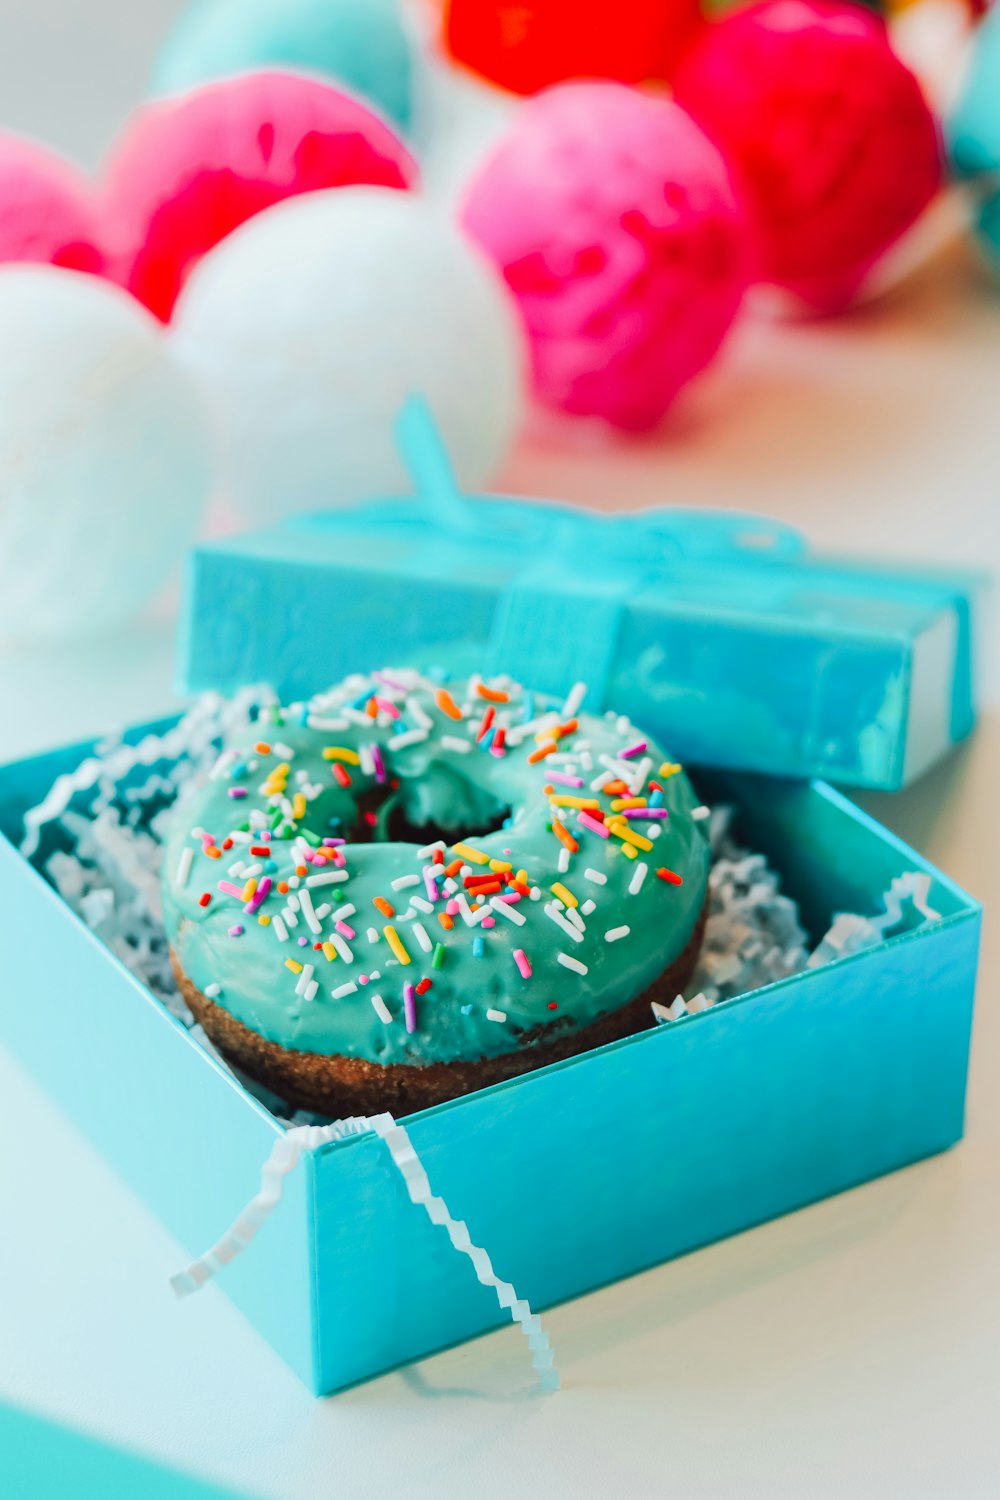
column 501, row 866
column 467, row 852
column 521, row 877
column 629, row 851
column 291, row 964
column 589, row 803
column 341, row 752
column 329, row 952
column 248, row 890
column 564, row 895
column 621, row 830
column 669, row 768
column 298, row 806
column 620, row 803
column 392, row 938
column 264, row 920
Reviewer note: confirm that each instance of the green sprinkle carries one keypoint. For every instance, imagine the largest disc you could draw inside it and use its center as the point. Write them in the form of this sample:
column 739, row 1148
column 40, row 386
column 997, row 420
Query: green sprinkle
column 277, row 717
column 438, row 958
column 310, row 838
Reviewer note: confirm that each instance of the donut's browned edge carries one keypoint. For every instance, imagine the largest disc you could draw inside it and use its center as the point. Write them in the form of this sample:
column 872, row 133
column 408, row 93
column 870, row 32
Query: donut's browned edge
column 341, row 1086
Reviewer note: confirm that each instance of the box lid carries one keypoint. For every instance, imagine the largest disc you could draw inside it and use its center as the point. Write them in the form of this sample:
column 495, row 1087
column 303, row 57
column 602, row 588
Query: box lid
column 721, row 633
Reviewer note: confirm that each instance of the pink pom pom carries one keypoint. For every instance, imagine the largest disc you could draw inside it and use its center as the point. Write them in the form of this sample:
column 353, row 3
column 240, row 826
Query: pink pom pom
column 45, row 209
column 189, row 170
column 611, row 217
column 828, row 134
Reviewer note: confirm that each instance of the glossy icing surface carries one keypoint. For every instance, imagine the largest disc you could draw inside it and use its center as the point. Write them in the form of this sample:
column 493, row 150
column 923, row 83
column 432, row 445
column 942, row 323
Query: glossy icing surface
column 511, row 908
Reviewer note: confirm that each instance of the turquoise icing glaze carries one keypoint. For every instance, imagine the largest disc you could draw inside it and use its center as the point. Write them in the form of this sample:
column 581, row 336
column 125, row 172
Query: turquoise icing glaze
column 440, row 778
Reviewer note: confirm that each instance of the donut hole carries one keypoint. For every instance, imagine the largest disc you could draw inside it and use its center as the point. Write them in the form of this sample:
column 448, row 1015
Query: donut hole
column 439, row 804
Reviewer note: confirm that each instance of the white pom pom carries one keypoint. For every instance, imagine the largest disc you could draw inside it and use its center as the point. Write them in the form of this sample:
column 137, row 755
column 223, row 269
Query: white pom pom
column 313, row 322
column 104, row 454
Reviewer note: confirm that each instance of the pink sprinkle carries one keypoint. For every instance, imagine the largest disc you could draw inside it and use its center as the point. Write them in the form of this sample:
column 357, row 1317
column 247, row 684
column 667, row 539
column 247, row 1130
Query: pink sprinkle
column 593, row 824
column 231, row 890
column 509, row 898
column 488, row 922
column 362, row 978
column 379, row 764
column 410, row 1007
column 565, row 780
column 344, row 930
column 521, row 959
column 497, row 747
column 236, row 932
column 453, row 908
column 431, row 885
column 387, row 707
column 635, row 749
column 237, row 791
column 259, row 895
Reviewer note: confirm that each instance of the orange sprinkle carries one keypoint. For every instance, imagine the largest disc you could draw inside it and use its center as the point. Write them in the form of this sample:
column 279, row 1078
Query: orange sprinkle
column 262, row 748
column 445, row 920
column 540, row 753
column 301, row 870
column 447, row 704
column 615, row 788
column 454, row 867
column 564, row 836
column 382, row 905
column 670, row 876
column 493, row 695
column 213, row 852
column 371, row 708
column 283, row 887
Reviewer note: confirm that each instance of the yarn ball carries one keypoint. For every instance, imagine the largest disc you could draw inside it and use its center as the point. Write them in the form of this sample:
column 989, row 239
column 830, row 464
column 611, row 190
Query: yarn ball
column 526, row 46
column 360, row 44
column 311, row 325
column 828, row 133
column 46, row 213
column 612, row 219
column 104, row 454
column 973, row 127
column 187, row 171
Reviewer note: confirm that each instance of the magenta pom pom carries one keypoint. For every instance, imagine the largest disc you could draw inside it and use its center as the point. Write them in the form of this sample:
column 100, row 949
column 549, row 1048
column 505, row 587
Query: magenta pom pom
column 830, row 137
column 188, row 170
column 45, row 210
column 612, row 219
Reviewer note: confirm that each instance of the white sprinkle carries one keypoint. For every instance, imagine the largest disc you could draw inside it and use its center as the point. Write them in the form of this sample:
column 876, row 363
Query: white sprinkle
column 345, row 911
column 638, row 780
column 341, row 947
column 574, row 700
column 419, row 904
column 329, row 877
column 535, row 893
column 587, row 907
column 563, row 861
column 653, row 831
column 184, row 866
column 212, row 991
column 311, row 990
column 304, row 979
column 429, row 850
column 380, row 1008
column 575, row 917
column 451, row 742
column 469, row 917
column 290, row 917
column 569, row 962
column 552, row 911
column 614, row 933
column 638, row 876
column 411, row 737
column 374, row 975
column 356, row 716
column 236, row 868
column 223, row 761
column 254, row 870
column 595, row 876
column 316, row 722
column 403, row 882
column 372, row 934
column 324, row 911
column 504, row 909
column 496, row 1015
column 307, row 911
column 285, row 751
column 349, row 988
column 280, row 929
column 414, row 711
column 697, row 813
column 420, row 933
column 367, row 760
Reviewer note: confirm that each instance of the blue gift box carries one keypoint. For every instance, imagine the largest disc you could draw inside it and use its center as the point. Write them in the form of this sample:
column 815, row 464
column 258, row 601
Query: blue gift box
column 721, row 633
column 572, row 1176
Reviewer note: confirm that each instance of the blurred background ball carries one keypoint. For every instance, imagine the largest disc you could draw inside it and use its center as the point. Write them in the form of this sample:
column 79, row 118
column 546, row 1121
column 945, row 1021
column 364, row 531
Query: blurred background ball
column 827, row 132
column 187, row 171
column 104, row 454
column 612, row 220
column 46, row 212
column 525, row 45
column 312, row 324
column 362, row 45
column 973, row 130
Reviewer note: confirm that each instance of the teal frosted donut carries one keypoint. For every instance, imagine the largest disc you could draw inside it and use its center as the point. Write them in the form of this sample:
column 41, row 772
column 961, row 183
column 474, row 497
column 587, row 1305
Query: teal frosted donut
column 405, row 889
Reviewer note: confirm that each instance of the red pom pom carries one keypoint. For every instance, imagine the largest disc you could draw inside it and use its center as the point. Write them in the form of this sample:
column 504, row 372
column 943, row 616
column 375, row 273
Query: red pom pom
column 45, row 209
column 827, row 131
column 189, row 170
column 524, row 45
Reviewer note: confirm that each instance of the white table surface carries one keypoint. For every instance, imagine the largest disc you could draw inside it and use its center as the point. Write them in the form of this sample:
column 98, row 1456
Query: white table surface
column 852, row 1347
